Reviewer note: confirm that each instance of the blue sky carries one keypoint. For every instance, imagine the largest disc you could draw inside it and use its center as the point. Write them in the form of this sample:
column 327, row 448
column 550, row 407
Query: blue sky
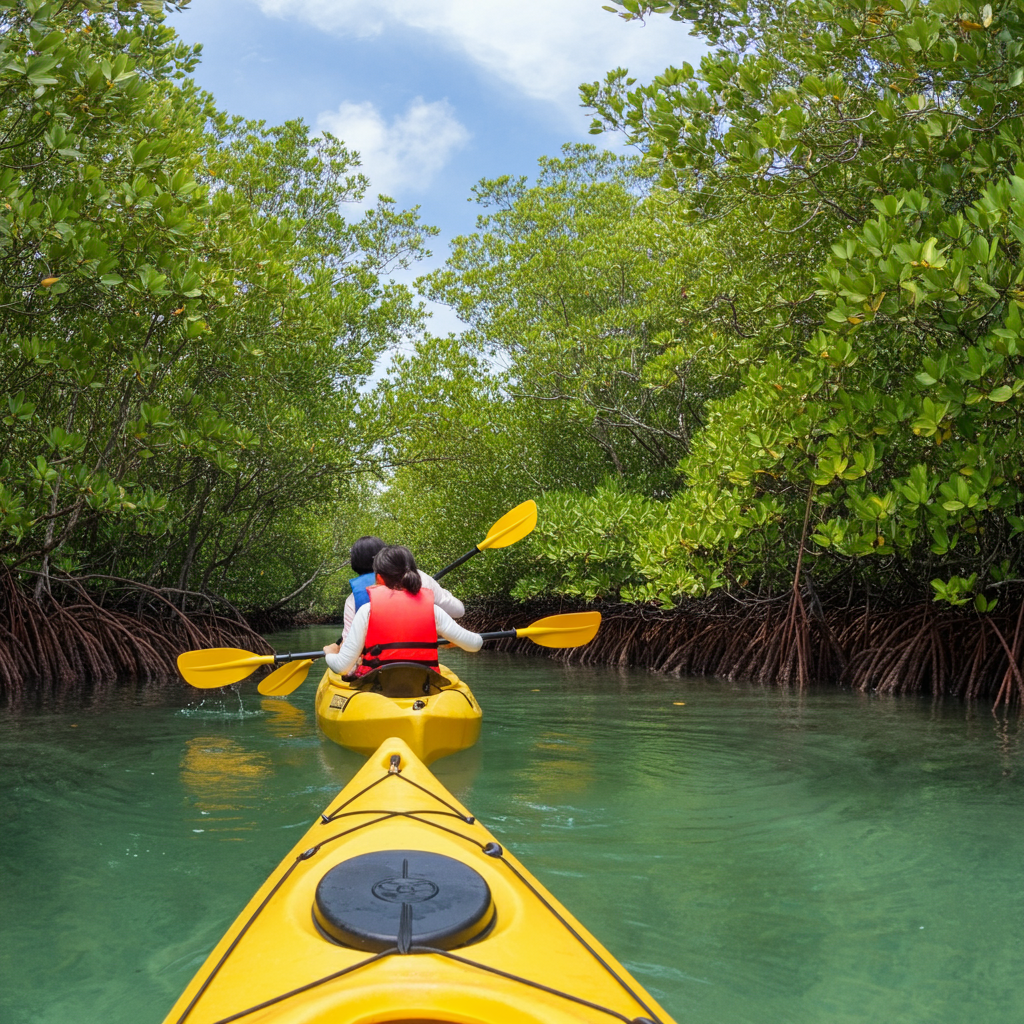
column 435, row 94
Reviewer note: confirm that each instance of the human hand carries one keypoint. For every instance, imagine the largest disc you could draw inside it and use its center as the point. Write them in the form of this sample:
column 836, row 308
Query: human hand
column 331, row 649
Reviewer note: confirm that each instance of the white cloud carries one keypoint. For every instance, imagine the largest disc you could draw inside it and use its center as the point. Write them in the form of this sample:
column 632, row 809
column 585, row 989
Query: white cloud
column 348, row 16
column 405, row 154
column 544, row 48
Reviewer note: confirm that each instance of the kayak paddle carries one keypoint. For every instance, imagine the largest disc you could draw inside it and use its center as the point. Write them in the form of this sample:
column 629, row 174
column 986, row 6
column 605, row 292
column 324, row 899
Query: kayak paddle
column 285, row 679
column 221, row 666
column 511, row 527
column 573, row 629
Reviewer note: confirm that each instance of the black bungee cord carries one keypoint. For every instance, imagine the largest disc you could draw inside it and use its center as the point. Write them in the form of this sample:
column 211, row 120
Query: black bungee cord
column 491, row 849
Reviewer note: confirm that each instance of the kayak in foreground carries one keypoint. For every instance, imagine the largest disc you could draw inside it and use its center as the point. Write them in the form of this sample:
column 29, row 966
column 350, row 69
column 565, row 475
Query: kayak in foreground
column 397, row 906
column 435, row 713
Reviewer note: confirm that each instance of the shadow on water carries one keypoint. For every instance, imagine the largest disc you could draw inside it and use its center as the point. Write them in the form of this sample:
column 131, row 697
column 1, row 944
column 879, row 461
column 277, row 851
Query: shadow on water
column 751, row 855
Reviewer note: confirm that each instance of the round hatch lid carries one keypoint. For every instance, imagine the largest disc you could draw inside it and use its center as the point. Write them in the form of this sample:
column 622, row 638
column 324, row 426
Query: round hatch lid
column 403, row 898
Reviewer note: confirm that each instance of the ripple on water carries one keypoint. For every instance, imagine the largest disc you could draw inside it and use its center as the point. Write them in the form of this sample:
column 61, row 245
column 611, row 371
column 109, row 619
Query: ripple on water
column 750, row 855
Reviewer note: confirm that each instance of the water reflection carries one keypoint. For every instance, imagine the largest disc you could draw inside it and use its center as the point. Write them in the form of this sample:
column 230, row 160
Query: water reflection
column 459, row 772
column 563, row 764
column 223, row 778
column 284, row 719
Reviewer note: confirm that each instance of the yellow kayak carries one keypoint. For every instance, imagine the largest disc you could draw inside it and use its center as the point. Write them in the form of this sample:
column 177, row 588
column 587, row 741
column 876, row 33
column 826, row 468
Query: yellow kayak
column 397, row 906
column 435, row 713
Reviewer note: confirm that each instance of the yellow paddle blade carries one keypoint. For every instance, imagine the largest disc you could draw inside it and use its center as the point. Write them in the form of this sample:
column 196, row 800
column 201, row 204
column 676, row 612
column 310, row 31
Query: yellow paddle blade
column 283, row 680
column 511, row 527
column 219, row 666
column 570, row 630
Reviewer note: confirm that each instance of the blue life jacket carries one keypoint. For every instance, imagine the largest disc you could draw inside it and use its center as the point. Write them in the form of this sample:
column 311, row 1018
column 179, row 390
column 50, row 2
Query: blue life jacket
column 359, row 585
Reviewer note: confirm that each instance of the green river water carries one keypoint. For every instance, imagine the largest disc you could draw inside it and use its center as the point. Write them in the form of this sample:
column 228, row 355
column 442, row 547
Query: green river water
column 752, row 856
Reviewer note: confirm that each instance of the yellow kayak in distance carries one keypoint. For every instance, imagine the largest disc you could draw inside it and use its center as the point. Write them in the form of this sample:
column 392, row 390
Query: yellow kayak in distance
column 435, row 713
column 398, row 906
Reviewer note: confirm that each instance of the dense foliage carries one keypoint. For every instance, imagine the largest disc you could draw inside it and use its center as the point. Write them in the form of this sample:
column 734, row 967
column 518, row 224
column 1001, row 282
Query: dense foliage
column 545, row 389
column 187, row 318
column 788, row 332
column 794, row 326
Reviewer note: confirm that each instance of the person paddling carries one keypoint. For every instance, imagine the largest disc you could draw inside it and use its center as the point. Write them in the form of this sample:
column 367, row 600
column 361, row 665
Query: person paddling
column 361, row 558
column 401, row 620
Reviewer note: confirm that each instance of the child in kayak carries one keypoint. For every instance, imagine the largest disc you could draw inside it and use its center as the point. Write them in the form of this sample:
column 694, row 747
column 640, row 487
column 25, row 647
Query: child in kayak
column 401, row 620
column 361, row 559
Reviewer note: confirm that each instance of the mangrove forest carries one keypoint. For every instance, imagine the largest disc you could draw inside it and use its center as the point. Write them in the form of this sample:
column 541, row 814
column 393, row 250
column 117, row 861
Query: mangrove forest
column 762, row 368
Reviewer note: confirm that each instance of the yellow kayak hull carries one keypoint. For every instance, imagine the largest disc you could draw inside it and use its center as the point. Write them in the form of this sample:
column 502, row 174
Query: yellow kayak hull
column 433, row 726
column 533, row 964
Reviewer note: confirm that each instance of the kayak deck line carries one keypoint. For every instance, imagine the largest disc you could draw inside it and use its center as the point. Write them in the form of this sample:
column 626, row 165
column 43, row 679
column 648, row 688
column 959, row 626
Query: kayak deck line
column 492, row 849
column 394, row 768
column 451, row 956
column 403, row 947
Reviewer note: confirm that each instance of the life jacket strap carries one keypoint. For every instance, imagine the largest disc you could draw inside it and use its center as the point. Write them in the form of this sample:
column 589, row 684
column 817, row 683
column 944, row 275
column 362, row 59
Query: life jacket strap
column 372, row 659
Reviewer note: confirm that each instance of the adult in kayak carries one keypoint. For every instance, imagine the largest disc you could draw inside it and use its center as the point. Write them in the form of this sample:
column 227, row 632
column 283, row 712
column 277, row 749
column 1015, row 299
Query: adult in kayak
column 361, row 558
column 400, row 621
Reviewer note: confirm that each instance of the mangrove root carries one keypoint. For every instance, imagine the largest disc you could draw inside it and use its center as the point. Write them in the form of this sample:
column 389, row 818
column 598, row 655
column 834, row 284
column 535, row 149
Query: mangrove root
column 75, row 640
column 794, row 641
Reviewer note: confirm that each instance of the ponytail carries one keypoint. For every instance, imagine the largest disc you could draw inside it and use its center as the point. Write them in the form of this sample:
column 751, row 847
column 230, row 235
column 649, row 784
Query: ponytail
column 397, row 568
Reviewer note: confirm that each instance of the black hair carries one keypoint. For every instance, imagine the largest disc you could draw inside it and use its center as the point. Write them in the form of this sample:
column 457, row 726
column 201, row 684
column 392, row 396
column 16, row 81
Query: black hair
column 396, row 566
column 363, row 553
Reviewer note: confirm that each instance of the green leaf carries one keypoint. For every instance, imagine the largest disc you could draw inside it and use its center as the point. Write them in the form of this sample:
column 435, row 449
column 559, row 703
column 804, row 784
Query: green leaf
column 38, row 68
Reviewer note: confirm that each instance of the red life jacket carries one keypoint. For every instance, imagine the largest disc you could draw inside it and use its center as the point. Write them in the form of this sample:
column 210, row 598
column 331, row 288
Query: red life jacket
column 401, row 628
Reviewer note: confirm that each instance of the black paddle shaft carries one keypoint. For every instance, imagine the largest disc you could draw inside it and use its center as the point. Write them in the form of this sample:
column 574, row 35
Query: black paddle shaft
column 458, row 561
column 281, row 658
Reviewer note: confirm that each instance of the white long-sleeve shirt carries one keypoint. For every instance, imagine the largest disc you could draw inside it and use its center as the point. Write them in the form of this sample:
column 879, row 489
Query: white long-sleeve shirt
column 442, row 599
column 352, row 647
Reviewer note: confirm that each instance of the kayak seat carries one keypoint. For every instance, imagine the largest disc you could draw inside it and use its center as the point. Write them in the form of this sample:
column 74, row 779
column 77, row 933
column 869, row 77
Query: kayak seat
column 401, row 679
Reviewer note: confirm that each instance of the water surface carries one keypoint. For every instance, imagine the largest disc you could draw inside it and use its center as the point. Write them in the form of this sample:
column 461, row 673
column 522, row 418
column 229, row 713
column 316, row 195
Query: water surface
column 751, row 855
